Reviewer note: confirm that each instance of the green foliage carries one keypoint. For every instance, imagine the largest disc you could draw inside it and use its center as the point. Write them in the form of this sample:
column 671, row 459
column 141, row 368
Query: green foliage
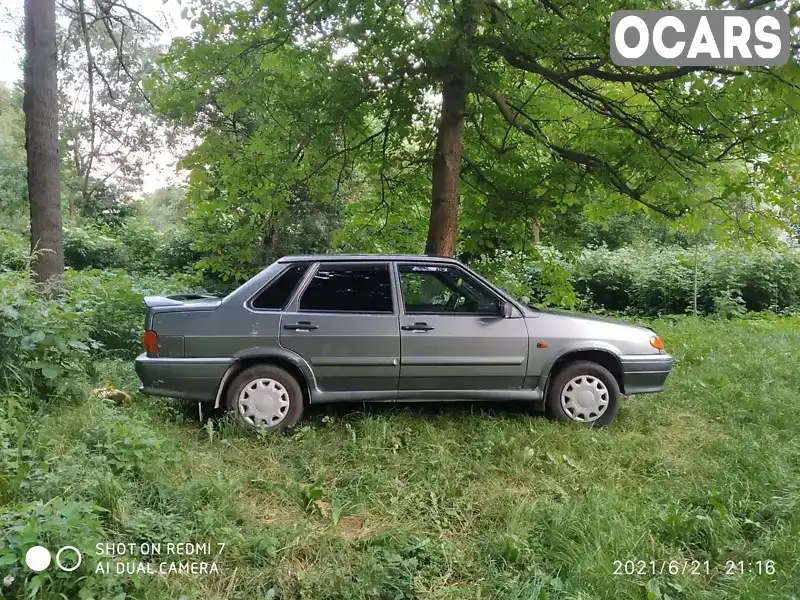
column 110, row 304
column 143, row 248
column 91, row 249
column 635, row 229
column 53, row 524
column 652, row 280
column 104, row 205
column 14, row 251
column 542, row 277
column 44, row 347
column 336, row 99
column 128, row 447
column 137, row 247
column 177, row 253
column 13, row 170
column 493, row 502
column 236, row 244
column 164, row 208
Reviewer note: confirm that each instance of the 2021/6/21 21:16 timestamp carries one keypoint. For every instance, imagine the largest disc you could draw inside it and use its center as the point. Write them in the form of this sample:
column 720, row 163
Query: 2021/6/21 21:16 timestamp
column 729, row 568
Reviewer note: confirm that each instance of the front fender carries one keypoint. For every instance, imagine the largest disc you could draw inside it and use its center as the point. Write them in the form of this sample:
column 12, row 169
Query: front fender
column 570, row 347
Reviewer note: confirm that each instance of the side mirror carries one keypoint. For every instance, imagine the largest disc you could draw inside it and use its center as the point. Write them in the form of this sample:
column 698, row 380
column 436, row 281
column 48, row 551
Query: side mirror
column 506, row 310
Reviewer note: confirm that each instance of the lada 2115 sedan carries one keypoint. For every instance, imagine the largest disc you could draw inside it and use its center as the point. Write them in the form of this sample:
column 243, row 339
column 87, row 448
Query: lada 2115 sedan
column 313, row 329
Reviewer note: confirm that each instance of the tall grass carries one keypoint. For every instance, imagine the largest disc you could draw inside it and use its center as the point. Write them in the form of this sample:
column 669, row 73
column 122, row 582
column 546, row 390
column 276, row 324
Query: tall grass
column 460, row 501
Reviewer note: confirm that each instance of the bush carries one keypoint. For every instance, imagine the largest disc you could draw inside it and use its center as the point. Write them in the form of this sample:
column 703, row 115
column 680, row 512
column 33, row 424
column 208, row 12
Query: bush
column 14, row 252
column 176, row 252
column 111, row 304
column 91, row 249
column 53, row 524
column 137, row 247
column 542, row 277
column 143, row 251
column 44, row 347
column 652, row 281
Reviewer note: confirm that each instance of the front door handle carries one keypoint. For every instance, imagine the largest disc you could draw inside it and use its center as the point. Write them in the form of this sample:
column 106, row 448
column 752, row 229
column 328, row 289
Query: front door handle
column 417, row 327
column 301, row 326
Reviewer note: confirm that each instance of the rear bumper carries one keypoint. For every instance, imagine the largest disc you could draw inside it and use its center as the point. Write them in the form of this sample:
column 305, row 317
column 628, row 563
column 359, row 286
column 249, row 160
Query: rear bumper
column 187, row 378
column 646, row 373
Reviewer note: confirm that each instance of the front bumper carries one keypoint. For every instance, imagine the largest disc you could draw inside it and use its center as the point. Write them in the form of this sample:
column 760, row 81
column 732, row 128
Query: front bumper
column 187, row 378
column 644, row 374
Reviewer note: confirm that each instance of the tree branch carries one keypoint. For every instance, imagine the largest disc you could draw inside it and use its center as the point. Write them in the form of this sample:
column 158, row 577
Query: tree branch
column 748, row 4
column 90, row 66
column 591, row 164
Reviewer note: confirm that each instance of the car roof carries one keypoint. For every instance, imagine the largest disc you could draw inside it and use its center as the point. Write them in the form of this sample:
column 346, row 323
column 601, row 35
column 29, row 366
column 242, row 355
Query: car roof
column 365, row 257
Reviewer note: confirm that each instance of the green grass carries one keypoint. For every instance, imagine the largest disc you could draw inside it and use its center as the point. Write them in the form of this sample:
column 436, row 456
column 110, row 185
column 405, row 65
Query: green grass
column 458, row 501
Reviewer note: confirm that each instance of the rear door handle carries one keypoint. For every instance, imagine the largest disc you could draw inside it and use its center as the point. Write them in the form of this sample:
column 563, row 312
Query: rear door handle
column 301, row 326
column 417, row 327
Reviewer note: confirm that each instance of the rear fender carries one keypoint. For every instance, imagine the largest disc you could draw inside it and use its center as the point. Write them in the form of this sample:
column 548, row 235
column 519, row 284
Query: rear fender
column 267, row 354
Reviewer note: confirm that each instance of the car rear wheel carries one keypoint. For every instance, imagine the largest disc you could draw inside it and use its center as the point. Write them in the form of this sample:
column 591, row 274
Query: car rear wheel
column 585, row 392
column 265, row 397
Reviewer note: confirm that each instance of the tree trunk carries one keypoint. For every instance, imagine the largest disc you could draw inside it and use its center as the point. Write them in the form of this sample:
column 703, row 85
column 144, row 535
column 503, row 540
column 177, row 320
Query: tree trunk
column 41, row 141
column 535, row 229
column 443, row 224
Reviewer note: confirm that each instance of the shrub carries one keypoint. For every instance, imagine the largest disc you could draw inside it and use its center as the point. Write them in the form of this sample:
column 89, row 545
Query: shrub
column 44, row 348
column 137, row 247
column 54, row 524
column 142, row 251
column 91, row 249
column 176, row 251
column 543, row 277
column 651, row 281
column 14, row 252
column 111, row 304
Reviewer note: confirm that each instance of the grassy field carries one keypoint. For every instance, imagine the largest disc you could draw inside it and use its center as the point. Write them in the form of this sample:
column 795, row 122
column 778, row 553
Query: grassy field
column 456, row 501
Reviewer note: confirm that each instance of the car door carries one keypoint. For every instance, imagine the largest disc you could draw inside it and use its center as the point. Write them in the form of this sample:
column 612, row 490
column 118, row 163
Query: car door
column 345, row 325
column 453, row 335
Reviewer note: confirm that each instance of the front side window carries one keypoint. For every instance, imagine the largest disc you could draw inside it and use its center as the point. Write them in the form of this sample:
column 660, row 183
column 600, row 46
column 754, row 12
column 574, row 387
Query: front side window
column 349, row 288
column 277, row 293
column 444, row 290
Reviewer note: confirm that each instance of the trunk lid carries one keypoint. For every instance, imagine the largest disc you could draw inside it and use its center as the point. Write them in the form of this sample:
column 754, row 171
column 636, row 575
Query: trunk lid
column 181, row 302
column 177, row 303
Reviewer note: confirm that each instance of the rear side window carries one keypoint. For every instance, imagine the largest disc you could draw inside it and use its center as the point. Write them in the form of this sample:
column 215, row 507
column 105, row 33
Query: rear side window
column 349, row 288
column 277, row 294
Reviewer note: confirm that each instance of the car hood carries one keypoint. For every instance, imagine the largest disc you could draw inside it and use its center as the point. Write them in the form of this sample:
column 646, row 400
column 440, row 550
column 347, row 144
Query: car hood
column 587, row 317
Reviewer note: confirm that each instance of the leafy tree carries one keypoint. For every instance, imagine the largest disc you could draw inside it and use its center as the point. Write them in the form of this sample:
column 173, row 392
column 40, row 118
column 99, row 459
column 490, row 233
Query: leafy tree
column 164, row 208
column 104, row 204
column 13, row 190
column 517, row 100
column 108, row 127
column 236, row 245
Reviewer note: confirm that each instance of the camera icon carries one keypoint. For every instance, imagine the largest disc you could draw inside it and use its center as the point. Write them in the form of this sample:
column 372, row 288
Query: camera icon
column 38, row 558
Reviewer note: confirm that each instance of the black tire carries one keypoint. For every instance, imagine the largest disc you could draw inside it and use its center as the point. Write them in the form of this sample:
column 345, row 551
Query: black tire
column 292, row 413
column 590, row 370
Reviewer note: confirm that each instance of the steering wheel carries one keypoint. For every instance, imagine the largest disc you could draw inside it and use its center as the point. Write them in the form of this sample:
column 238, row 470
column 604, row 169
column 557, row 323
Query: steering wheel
column 452, row 303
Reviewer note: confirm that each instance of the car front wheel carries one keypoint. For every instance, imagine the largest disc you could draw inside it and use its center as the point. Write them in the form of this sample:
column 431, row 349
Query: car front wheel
column 585, row 392
column 265, row 397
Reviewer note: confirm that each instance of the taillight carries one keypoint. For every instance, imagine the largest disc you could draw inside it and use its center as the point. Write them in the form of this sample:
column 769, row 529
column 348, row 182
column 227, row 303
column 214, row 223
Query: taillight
column 150, row 339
